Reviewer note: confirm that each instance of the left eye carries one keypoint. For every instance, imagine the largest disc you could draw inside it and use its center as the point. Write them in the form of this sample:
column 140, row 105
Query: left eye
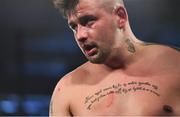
column 90, row 23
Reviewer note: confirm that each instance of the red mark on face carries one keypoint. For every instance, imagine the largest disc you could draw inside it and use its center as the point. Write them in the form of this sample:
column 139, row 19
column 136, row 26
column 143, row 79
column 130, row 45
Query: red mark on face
column 59, row 89
column 110, row 100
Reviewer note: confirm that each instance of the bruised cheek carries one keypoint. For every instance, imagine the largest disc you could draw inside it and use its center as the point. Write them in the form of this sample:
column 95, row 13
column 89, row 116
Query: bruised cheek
column 59, row 89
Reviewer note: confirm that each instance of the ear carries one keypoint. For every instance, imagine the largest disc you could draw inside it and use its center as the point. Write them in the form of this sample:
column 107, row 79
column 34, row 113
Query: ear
column 121, row 13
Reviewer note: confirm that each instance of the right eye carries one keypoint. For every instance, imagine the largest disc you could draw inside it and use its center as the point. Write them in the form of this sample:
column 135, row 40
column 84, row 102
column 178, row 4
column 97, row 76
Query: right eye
column 73, row 26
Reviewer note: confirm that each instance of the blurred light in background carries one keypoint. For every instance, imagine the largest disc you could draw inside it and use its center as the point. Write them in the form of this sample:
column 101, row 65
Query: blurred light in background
column 36, row 105
column 24, row 105
column 9, row 106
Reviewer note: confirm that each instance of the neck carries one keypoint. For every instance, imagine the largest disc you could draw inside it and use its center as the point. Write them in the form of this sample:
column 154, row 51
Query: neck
column 127, row 51
column 126, row 55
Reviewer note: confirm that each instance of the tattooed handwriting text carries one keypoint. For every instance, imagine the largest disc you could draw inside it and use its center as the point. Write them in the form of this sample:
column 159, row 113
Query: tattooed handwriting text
column 120, row 89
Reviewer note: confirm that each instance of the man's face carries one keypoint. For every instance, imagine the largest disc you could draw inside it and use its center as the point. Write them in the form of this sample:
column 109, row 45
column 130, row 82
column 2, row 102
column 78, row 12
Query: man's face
column 94, row 30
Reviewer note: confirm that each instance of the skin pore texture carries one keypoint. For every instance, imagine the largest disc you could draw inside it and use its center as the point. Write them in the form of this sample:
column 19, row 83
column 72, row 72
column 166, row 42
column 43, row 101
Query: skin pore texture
column 123, row 75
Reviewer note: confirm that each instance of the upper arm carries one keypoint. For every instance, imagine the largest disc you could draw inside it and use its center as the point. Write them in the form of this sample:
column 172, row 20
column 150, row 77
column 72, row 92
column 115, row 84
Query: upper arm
column 59, row 105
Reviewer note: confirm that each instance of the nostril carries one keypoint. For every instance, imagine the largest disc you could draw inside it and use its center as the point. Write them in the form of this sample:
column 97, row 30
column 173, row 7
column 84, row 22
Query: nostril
column 82, row 39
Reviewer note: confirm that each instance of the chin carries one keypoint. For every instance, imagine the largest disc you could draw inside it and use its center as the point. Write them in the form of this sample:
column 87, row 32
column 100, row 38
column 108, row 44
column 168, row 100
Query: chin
column 96, row 60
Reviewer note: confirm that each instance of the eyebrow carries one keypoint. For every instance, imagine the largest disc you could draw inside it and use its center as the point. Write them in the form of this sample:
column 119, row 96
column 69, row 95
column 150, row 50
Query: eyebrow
column 83, row 18
column 87, row 17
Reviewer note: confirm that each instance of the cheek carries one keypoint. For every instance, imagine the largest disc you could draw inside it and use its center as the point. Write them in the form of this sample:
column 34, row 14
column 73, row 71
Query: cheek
column 108, row 30
column 107, row 36
column 103, row 32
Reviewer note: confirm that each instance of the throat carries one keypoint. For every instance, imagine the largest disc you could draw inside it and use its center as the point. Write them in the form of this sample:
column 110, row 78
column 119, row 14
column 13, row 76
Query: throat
column 115, row 63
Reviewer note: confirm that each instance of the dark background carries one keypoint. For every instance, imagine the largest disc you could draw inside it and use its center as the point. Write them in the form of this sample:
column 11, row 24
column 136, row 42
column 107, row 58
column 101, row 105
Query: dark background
column 37, row 48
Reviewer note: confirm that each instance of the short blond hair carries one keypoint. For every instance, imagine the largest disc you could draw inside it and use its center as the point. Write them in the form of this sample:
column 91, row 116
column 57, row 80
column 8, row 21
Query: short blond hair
column 65, row 6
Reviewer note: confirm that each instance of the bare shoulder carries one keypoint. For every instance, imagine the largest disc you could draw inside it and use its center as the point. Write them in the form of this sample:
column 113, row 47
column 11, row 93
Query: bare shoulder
column 68, row 80
column 61, row 97
column 165, row 56
column 162, row 47
column 64, row 90
column 72, row 78
column 57, row 106
column 167, row 51
column 163, row 50
column 171, row 56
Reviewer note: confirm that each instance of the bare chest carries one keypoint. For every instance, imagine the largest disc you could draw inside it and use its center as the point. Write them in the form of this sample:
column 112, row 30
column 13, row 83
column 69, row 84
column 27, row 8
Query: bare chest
column 128, row 96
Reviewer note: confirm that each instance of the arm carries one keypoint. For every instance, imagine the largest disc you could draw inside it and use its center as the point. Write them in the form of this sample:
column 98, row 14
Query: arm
column 59, row 105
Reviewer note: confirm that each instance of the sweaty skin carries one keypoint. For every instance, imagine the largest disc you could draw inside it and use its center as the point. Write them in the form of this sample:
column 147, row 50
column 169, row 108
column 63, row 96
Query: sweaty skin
column 124, row 76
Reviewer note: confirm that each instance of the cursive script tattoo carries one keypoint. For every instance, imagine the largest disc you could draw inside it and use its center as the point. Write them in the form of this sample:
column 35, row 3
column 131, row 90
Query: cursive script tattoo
column 121, row 89
column 131, row 47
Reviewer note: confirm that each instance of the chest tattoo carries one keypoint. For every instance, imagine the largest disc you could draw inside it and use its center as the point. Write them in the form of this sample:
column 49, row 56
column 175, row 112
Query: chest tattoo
column 120, row 89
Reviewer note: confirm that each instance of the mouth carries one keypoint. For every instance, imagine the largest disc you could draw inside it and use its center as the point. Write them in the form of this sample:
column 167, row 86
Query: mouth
column 90, row 49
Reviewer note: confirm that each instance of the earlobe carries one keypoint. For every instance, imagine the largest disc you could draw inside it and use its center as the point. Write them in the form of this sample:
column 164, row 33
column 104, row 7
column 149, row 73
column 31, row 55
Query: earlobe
column 121, row 13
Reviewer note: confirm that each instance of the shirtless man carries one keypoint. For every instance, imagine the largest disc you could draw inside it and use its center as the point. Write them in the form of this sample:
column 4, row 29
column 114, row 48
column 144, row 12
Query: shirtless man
column 124, row 76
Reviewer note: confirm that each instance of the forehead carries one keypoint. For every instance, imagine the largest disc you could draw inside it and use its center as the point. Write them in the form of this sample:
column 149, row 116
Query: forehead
column 84, row 7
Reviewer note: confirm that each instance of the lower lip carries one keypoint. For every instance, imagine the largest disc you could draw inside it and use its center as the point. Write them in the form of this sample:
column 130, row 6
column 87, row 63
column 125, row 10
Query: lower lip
column 91, row 52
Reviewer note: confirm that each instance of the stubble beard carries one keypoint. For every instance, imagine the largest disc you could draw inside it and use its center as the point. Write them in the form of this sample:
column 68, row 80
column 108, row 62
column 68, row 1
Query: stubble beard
column 99, row 58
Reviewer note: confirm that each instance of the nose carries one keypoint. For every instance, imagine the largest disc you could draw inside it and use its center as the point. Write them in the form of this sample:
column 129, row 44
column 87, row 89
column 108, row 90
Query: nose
column 81, row 34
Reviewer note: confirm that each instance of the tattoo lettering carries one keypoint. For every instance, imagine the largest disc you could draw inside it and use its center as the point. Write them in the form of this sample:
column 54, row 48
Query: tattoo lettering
column 120, row 89
column 88, row 98
column 131, row 47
